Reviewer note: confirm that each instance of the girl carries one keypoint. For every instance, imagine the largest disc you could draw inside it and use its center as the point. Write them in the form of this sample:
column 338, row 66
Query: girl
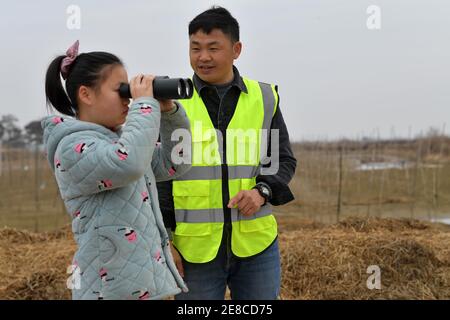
column 106, row 175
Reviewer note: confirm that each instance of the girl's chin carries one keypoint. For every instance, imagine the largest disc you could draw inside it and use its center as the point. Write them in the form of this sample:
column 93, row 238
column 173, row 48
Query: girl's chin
column 118, row 125
column 117, row 128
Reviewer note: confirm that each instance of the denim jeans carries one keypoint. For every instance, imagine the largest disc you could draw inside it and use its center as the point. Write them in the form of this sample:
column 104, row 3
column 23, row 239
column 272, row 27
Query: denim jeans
column 254, row 278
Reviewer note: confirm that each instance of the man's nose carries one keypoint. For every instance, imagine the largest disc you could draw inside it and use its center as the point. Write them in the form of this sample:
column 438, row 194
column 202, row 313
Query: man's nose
column 204, row 55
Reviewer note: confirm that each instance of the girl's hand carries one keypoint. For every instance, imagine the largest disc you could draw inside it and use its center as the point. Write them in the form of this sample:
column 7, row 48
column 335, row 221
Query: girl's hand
column 142, row 86
column 177, row 259
column 166, row 105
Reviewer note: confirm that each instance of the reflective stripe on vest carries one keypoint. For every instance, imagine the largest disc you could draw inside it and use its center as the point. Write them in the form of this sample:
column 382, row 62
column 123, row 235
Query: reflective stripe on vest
column 198, row 194
column 216, row 215
column 215, row 172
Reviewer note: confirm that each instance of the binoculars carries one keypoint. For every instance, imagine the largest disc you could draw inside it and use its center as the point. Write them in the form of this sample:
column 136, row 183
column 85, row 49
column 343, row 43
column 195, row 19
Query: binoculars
column 164, row 88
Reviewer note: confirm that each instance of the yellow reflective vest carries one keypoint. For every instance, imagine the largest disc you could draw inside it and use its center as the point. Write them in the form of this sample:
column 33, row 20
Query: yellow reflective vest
column 197, row 195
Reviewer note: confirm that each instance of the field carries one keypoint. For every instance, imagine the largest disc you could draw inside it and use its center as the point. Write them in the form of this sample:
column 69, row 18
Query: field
column 318, row 261
column 358, row 204
column 332, row 181
column 372, row 179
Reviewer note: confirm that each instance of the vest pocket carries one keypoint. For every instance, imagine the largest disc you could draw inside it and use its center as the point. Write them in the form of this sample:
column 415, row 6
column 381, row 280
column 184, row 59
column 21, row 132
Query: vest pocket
column 191, row 188
column 258, row 224
column 192, row 194
column 193, row 229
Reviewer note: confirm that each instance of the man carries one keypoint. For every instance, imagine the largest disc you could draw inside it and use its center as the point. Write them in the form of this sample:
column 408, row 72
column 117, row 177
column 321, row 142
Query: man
column 224, row 230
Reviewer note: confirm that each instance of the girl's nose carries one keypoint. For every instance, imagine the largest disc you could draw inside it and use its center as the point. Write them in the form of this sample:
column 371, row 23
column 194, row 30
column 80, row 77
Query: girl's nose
column 126, row 102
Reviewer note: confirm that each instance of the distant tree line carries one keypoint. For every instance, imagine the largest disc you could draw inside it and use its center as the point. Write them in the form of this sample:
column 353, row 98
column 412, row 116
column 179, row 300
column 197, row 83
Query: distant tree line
column 434, row 141
column 12, row 135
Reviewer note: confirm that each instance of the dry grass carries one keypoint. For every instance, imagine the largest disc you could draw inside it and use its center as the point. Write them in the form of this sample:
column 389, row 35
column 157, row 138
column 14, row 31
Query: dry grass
column 331, row 262
column 318, row 261
column 33, row 265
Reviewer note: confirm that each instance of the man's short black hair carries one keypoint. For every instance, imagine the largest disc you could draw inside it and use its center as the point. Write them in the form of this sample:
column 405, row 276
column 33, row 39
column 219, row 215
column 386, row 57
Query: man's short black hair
column 216, row 18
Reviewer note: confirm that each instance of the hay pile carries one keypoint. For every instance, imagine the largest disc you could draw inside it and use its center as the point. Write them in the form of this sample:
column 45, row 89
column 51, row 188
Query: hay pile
column 318, row 261
column 33, row 266
column 331, row 262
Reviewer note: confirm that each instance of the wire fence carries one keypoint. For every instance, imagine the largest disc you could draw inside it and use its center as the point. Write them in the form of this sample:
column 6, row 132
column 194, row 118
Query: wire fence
column 376, row 178
column 333, row 180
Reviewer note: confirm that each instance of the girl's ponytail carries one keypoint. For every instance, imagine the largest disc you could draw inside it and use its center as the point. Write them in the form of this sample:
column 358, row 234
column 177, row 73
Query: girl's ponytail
column 54, row 91
column 86, row 69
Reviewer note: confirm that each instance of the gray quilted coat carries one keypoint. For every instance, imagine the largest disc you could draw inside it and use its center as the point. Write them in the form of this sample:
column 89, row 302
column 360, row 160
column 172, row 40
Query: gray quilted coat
column 107, row 181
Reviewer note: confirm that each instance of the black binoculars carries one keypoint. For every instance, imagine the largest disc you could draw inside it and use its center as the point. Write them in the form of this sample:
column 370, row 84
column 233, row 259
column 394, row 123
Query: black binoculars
column 164, row 88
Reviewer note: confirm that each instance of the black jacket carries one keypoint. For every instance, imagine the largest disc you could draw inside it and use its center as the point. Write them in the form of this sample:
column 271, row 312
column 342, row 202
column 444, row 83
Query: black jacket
column 220, row 118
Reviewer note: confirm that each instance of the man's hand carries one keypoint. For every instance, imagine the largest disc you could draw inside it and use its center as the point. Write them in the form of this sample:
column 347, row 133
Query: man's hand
column 248, row 202
column 177, row 259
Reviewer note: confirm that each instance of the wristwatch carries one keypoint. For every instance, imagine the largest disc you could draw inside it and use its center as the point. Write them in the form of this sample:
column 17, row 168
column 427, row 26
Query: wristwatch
column 264, row 191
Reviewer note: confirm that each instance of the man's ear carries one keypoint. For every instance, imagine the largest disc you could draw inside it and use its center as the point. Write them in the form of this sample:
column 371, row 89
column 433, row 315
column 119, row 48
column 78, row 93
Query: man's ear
column 86, row 95
column 237, row 47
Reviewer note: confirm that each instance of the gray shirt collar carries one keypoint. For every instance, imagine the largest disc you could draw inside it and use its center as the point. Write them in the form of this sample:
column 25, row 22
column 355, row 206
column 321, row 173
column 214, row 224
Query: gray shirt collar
column 237, row 82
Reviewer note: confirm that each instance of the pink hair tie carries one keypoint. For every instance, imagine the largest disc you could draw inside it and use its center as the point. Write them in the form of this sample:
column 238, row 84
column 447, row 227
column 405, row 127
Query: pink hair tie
column 71, row 55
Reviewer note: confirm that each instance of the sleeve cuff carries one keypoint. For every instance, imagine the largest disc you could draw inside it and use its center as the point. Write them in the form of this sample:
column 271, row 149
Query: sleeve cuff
column 281, row 193
column 172, row 112
column 151, row 100
column 268, row 187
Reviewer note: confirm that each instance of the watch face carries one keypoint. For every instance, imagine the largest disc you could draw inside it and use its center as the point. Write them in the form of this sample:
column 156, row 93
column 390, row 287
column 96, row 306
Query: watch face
column 265, row 191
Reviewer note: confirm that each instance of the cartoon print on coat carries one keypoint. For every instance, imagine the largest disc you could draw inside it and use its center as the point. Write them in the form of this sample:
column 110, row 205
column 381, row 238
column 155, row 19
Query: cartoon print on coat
column 172, row 171
column 58, row 165
column 144, row 195
column 99, row 294
column 143, row 294
column 146, row 109
column 82, row 147
column 130, row 234
column 57, row 120
column 122, row 153
column 76, row 215
column 158, row 257
column 104, row 274
column 104, row 184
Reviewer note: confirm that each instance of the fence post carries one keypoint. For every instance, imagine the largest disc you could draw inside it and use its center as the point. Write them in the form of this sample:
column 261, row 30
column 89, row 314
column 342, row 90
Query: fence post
column 1, row 158
column 437, row 172
column 1, row 168
column 8, row 152
column 416, row 169
column 339, row 200
column 36, row 176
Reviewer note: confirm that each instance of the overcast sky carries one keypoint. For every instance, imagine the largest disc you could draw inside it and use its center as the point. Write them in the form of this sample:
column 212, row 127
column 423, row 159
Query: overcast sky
column 336, row 77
